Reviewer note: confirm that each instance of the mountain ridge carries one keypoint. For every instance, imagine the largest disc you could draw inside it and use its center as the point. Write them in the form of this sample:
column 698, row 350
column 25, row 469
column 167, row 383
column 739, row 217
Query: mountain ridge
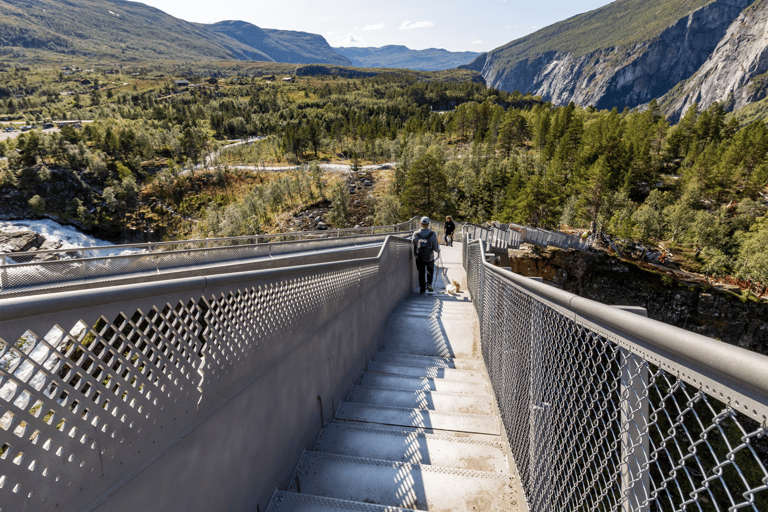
column 400, row 56
column 622, row 70
column 130, row 31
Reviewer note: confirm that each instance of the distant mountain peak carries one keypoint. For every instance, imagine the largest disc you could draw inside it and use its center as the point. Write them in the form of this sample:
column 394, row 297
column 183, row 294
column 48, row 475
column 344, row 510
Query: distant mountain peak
column 399, row 56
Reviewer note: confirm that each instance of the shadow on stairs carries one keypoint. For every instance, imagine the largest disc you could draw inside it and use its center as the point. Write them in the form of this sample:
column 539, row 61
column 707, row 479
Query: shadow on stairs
column 420, row 429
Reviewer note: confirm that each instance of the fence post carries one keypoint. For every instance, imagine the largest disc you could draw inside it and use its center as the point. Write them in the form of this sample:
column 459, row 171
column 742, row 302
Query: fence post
column 4, row 272
column 635, row 488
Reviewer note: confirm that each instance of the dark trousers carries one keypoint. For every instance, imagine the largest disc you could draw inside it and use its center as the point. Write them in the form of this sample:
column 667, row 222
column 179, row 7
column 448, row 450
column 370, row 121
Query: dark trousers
column 446, row 237
column 426, row 273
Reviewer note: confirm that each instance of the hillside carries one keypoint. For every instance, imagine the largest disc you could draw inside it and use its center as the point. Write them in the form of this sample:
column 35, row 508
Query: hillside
column 398, row 56
column 281, row 45
column 624, row 54
column 118, row 30
column 108, row 29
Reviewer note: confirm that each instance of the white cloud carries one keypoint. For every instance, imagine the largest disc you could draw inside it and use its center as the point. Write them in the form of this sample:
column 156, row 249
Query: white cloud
column 476, row 42
column 378, row 26
column 417, row 24
column 351, row 40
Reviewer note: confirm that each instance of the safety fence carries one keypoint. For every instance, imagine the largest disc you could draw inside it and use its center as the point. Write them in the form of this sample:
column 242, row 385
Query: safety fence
column 44, row 270
column 510, row 236
column 497, row 239
column 606, row 410
column 195, row 393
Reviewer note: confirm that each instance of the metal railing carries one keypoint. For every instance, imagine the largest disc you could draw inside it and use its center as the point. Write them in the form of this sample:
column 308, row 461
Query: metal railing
column 193, row 394
column 25, row 272
column 608, row 410
column 510, row 236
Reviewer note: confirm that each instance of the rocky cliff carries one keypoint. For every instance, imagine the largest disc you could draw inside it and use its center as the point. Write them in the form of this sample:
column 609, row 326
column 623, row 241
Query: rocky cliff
column 626, row 74
column 716, row 313
column 733, row 73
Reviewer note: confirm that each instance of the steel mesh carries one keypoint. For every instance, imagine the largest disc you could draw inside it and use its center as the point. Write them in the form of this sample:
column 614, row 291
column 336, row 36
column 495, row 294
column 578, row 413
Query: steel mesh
column 94, row 397
column 593, row 427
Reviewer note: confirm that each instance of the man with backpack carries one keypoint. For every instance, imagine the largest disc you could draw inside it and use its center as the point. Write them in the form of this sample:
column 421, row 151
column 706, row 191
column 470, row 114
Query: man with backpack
column 450, row 227
column 425, row 244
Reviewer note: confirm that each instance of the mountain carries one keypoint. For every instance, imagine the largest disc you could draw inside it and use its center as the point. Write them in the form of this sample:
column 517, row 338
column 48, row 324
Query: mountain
column 282, row 45
column 736, row 72
column 623, row 54
column 397, row 56
column 129, row 31
column 109, row 29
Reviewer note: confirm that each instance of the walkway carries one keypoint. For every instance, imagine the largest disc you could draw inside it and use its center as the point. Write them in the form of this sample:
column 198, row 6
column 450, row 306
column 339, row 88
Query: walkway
column 420, row 429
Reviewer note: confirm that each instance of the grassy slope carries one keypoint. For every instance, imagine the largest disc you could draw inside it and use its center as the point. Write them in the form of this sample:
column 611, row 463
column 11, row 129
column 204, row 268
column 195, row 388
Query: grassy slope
column 620, row 23
column 87, row 28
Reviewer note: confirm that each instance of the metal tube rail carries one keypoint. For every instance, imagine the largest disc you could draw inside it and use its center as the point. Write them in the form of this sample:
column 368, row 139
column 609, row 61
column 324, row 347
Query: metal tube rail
column 608, row 410
column 42, row 275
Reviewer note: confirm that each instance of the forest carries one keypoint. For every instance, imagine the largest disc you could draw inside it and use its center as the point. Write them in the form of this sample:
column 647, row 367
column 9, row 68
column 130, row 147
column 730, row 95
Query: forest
column 151, row 156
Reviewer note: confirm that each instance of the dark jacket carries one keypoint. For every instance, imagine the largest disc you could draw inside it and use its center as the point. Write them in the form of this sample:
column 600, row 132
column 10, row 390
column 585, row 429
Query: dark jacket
column 450, row 227
column 433, row 243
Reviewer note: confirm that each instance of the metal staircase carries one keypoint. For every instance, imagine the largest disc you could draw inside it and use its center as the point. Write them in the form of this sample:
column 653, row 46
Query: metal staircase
column 418, row 431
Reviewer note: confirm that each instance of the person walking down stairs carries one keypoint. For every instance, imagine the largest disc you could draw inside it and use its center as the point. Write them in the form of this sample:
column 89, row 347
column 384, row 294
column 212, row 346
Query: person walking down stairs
column 425, row 245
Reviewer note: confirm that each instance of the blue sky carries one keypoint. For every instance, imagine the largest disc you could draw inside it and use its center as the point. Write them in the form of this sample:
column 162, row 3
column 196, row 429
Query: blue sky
column 478, row 25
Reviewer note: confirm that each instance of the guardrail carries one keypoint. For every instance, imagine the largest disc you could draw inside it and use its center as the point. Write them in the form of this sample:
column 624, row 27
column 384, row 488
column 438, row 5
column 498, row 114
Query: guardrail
column 24, row 272
column 192, row 394
column 608, row 410
column 510, row 236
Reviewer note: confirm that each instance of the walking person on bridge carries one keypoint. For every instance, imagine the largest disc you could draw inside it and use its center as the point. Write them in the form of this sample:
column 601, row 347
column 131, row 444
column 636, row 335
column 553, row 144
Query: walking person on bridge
column 450, row 227
column 425, row 244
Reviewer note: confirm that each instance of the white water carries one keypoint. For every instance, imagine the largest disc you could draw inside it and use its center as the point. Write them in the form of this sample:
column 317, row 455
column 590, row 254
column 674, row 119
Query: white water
column 68, row 236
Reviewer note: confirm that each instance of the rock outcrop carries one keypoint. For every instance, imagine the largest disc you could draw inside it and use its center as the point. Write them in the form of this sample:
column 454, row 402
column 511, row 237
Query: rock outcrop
column 631, row 75
column 732, row 74
column 705, row 310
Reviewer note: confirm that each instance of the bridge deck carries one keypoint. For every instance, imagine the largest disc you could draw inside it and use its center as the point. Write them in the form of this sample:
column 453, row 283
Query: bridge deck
column 420, row 429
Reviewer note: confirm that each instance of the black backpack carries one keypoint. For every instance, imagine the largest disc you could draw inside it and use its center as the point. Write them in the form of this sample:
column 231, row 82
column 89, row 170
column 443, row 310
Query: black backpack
column 423, row 247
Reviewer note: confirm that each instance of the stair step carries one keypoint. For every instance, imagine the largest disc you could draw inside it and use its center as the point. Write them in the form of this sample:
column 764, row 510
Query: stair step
column 283, row 501
column 434, row 333
column 413, row 447
column 388, row 380
column 401, row 484
column 472, row 423
column 427, row 400
column 427, row 371
column 417, row 360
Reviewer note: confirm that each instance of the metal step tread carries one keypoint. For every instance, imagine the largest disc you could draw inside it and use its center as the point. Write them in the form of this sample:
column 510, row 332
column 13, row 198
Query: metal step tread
column 401, row 484
column 417, row 399
column 423, row 383
column 427, row 371
column 294, row 502
column 413, row 447
column 419, row 360
column 408, row 417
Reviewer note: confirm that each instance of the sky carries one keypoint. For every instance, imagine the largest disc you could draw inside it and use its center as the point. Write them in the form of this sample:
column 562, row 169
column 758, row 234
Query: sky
column 478, row 26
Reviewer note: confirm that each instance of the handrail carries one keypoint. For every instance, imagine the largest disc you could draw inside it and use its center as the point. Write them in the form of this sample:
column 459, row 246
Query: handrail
column 149, row 246
column 29, row 277
column 696, row 358
column 634, row 414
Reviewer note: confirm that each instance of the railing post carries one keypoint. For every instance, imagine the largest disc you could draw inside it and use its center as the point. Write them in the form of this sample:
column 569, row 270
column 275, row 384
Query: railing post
column 635, row 489
column 3, row 272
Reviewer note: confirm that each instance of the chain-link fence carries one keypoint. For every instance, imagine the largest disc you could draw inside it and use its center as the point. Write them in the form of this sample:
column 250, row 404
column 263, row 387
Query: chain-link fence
column 606, row 410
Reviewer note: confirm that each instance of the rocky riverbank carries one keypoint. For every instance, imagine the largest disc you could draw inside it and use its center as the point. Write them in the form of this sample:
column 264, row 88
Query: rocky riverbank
column 735, row 318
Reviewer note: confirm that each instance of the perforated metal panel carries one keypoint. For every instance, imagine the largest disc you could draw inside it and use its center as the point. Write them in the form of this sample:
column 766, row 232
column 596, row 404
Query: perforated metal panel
column 90, row 394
